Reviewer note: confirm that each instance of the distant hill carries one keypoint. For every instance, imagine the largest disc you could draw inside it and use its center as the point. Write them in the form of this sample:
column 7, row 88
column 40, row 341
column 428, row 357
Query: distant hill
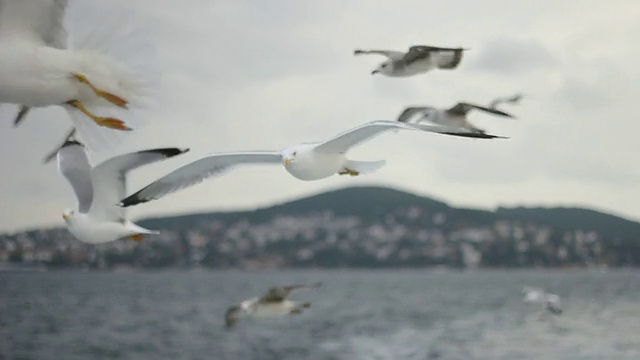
column 352, row 227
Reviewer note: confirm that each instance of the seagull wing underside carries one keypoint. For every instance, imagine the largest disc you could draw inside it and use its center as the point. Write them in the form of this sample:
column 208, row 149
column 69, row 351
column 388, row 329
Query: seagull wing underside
column 38, row 21
column 196, row 172
column 74, row 165
column 109, row 180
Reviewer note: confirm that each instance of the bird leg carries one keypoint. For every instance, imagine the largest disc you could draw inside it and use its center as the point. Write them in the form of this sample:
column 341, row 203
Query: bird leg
column 348, row 171
column 102, row 121
column 136, row 237
column 114, row 99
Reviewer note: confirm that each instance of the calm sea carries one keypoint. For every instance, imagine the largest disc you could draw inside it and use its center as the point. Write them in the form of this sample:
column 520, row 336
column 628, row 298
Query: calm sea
column 403, row 314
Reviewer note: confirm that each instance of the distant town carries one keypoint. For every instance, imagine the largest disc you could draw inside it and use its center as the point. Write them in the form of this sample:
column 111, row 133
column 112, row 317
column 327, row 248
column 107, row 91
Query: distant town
column 350, row 228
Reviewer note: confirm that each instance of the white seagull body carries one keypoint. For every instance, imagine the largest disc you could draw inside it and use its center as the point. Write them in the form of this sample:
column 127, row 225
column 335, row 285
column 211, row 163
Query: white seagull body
column 419, row 59
column 273, row 303
column 456, row 116
column 37, row 69
column 307, row 162
column 99, row 219
column 547, row 301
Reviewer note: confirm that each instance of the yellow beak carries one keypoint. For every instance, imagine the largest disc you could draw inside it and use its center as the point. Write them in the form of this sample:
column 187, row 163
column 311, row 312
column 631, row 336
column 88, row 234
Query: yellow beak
column 65, row 216
column 286, row 161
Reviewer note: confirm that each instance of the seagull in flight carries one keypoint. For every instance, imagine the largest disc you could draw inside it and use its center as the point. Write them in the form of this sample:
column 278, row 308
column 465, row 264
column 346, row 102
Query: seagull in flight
column 39, row 69
column 419, row 59
column 511, row 100
column 98, row 218
column 307, row 161
column 273, row 303
column 455, row 116
column 547, row 301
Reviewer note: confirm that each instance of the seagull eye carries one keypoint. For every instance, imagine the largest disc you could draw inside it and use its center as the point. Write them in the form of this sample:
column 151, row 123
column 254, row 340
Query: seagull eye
column 295, row 153
column 384, row 65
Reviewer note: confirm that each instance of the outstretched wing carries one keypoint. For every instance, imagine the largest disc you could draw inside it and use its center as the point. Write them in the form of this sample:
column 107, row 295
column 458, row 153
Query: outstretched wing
column 279, row 293
column 462, row 108
column 350, row 138
column 195, row 172
column 73, row 163
column 514, row 99
column 109, row 180
column 392, row 55
column 444, row 58
column 38, row 21
column 411, row 111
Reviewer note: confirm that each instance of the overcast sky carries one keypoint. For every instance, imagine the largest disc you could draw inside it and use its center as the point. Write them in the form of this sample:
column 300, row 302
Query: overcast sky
column 264, row 75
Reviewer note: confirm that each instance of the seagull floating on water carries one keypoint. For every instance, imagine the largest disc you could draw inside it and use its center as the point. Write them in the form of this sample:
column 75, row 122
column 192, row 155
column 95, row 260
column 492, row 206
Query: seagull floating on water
column 537, row 296
column 419, row 59
column 307, row 162
column 455, row 116
column 99, row 219
column 98, row 76
column 273, row 303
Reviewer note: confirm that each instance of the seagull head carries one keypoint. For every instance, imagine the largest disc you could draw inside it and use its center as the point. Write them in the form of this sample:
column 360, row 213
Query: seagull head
column 290, row 155
column 68, row 215
column 385, row 68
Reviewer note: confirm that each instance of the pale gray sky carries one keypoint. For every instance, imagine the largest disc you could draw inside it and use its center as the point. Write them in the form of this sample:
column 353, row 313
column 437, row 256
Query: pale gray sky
column 253, row 75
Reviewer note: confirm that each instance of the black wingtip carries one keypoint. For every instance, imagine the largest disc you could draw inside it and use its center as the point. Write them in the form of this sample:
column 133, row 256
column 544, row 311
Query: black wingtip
column 132, row 200
column 170, row 152
column 70, row 142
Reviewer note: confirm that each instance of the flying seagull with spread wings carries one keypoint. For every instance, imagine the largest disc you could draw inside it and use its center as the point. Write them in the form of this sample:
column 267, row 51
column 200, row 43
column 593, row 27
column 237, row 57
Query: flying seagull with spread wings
column 273, row 303
column 511, row 100
column 108, row 71
column 547, row 301
column 419, row 59
column 307, row 162
column 98, row 189
column 455, row 116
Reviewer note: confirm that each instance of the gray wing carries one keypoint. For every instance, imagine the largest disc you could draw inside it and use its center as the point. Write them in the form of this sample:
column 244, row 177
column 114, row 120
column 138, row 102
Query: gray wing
column 463, row 108
column 392, row 55
column 197, row 171
column 444, row 58
column 514, row 99
column 279, row 293
column 73, row 163
column 350, row 138
column 109, row 180
column 411, row 111
column 40, row 21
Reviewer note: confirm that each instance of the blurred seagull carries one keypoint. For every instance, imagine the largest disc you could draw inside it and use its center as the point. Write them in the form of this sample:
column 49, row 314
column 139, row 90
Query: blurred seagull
column 455, row 116
column 419, row 59
column 98, row 190
column 307, row 161
column 273, row 303
column 37, row 68
column 512, row 100
column 537, row 296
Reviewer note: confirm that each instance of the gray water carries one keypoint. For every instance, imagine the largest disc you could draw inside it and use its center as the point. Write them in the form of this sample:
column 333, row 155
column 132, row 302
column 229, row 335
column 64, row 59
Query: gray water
column 427, row 314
